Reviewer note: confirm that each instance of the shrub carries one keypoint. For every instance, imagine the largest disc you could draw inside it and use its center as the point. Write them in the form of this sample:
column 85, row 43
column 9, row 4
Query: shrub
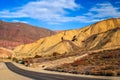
column 37, row 56
column 55, row 54
column 15, row 59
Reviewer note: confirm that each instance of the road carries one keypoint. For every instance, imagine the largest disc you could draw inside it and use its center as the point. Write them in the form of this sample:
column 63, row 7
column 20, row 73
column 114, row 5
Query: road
column 44, row 76
column 6, row 74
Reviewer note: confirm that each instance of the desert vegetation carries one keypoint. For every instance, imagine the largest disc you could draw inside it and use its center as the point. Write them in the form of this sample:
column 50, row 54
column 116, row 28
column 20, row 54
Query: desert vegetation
column 104, row 63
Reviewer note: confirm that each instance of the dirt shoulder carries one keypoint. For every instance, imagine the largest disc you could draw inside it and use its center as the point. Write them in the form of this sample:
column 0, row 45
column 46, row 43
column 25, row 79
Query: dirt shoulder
column 6, row 74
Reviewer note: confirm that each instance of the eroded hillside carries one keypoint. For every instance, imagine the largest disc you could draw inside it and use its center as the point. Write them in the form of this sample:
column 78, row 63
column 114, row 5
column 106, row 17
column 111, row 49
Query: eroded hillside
column 101, row 35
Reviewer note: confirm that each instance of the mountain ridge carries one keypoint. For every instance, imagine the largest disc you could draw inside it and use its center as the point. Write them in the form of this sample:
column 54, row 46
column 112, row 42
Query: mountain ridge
column 77, row 37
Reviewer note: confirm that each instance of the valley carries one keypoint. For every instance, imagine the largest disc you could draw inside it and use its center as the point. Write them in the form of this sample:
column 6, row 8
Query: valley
column 92, row 50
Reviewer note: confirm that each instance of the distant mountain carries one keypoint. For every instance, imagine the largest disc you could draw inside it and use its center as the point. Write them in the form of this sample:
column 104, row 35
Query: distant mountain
column 58, row 31
column 14, row 34
column 101, row 35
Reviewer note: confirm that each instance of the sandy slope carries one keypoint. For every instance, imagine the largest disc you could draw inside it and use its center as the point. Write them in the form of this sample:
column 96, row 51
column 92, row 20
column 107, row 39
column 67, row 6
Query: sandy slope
column 6, row 74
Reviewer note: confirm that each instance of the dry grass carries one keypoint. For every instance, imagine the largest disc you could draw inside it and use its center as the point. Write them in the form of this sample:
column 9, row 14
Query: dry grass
column 105, row 63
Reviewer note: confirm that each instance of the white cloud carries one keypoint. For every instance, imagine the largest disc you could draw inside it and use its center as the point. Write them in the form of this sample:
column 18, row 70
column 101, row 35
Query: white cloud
column 45, row 10
column 19, row 21
column 104, row 10
column 54, row 11
column 8, row 14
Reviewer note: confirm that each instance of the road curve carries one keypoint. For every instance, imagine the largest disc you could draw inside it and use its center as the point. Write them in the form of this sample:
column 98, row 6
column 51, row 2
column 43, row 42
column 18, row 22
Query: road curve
column 43, row 76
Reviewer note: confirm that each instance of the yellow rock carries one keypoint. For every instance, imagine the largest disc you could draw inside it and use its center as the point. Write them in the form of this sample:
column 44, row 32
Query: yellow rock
column 102, row 34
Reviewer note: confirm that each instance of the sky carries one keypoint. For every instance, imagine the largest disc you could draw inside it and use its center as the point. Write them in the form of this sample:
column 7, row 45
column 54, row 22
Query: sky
column 59, row 14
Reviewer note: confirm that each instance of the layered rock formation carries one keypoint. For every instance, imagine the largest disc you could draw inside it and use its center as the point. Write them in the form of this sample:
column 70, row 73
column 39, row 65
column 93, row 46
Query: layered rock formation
column 14, row 34
column 101, row 35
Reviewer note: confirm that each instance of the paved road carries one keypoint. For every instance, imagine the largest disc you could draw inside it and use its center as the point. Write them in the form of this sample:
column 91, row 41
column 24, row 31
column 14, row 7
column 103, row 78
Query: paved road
column 43, row 76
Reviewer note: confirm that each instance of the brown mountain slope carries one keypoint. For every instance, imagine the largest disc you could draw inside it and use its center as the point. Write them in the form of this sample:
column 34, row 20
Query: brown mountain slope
column 103, row 34
column 14, row 34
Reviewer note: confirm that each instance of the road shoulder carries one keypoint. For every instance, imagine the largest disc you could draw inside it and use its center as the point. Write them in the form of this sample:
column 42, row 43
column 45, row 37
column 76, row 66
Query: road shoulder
column 6, row 74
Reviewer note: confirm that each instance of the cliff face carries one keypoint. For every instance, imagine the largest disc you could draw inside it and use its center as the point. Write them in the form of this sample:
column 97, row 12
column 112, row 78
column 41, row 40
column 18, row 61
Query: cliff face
column 14, row 34
column 101, row 35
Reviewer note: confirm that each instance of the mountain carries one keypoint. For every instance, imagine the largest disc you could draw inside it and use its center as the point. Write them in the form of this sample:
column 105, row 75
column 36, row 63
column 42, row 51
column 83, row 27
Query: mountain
column 14, row 34
column 101, row 35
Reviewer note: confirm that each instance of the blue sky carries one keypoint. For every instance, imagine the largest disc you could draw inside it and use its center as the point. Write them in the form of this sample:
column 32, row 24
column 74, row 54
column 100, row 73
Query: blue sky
column 59, row 14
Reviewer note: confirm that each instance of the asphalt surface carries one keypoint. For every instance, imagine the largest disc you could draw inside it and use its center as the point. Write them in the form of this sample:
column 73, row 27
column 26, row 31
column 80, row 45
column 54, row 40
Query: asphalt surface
column 44, row 76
